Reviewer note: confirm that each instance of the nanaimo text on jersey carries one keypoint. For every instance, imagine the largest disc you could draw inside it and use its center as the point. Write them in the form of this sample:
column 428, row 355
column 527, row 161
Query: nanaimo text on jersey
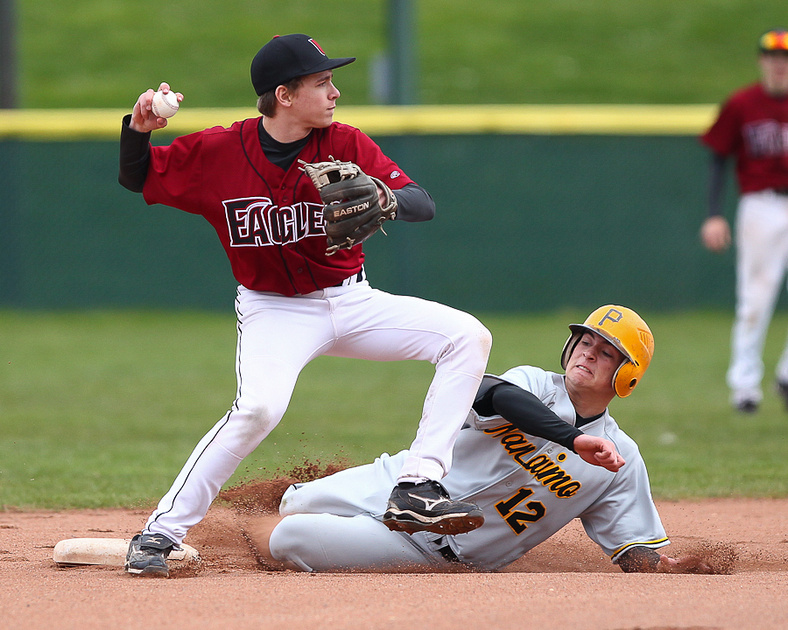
column 543, row 468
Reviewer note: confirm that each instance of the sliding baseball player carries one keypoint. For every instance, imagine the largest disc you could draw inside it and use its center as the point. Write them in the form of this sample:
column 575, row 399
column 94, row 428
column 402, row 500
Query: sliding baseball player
column 538, row 450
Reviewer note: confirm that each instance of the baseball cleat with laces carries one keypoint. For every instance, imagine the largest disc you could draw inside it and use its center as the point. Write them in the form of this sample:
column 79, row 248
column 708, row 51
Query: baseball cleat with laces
column 147, row 555
column 426, row 506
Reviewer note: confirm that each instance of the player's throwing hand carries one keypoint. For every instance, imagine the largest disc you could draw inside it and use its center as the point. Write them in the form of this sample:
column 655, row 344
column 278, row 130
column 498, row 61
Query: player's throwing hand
column 143, row 119
column 599, row 452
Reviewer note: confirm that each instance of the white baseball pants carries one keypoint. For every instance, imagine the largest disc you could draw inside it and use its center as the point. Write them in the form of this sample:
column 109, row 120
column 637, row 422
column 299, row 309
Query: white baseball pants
column 278, row 336
column 761, row 265
column 332, row 524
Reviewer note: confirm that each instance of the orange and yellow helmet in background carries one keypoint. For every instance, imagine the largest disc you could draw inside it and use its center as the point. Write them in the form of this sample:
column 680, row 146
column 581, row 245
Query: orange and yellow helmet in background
column 626, row 330
column 774, row 41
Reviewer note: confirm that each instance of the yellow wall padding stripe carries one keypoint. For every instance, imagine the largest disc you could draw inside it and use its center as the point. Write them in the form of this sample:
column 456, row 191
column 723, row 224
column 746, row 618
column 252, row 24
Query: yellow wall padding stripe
column 87, row 124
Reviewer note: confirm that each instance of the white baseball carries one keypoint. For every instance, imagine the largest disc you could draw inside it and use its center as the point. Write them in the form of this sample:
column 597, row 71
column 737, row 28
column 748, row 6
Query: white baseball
column 165, row 105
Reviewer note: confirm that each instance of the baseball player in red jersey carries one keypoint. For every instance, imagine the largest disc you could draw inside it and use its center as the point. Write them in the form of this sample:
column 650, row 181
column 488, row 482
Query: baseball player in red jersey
column 294, row 302
column 752, row 126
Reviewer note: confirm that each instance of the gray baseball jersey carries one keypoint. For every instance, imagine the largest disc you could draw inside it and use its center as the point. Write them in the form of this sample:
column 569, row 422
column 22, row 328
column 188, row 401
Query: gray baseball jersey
column 529, row 488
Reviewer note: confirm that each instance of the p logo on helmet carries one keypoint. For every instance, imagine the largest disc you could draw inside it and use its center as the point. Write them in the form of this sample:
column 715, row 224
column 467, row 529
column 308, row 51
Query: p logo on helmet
column 624, row 329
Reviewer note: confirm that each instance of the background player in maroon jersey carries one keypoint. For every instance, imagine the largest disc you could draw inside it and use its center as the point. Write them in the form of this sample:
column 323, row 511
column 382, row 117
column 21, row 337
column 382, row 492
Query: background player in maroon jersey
column 752, row 127
column 295, row 303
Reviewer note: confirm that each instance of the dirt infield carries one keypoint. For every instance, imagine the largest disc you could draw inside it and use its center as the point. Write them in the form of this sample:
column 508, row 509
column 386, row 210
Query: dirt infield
column 564, row 583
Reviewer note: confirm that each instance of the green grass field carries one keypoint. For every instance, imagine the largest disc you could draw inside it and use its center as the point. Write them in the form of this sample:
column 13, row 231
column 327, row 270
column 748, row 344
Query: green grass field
column 103, row 53
column 102, row 408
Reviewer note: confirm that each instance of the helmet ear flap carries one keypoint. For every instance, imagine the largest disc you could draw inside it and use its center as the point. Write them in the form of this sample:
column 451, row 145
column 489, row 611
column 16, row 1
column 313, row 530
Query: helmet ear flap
column 626, row 378
column 569, row 348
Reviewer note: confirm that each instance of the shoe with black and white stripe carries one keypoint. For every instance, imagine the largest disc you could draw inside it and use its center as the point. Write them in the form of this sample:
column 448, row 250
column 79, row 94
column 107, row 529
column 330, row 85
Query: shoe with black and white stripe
column 426, row 506
column 147, row 555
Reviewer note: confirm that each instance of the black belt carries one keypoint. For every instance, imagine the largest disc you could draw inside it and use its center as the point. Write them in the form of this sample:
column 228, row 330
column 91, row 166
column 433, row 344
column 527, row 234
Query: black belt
column 447, row 553
column 781, row 191
column 359, row 278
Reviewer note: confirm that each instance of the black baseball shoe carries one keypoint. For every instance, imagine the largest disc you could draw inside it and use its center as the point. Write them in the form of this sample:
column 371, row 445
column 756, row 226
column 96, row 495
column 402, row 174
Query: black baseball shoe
column 747, row 406
column 147, row 555
column 416, row 507
column 782, row 390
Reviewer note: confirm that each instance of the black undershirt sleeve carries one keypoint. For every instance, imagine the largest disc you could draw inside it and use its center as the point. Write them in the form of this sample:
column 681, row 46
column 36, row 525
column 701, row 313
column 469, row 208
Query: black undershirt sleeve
column 134, row 156
column 526, row 412
column 639, row 559
column 716, row 183
column 414, row 204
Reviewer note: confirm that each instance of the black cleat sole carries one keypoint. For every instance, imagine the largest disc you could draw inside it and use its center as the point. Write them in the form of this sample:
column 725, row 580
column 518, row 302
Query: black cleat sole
column 448, row 525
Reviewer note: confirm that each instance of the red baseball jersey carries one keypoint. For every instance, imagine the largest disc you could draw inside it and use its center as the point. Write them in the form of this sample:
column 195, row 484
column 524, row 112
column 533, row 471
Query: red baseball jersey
column 753, row 127
column 270, row 221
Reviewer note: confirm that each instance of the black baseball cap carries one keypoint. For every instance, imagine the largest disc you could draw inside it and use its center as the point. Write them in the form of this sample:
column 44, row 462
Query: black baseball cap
column 287, row 57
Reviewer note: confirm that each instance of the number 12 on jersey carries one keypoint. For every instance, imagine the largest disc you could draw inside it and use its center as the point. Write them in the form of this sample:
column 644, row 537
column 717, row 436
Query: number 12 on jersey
column 517, row 519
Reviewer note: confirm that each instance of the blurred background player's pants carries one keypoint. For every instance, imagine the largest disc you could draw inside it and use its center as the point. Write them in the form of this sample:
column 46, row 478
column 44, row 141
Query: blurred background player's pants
column 761, row 266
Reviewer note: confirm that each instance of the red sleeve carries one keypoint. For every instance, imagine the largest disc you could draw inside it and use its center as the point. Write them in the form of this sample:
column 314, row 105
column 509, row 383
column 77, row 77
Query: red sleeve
column 353, row 145
column 175, row 173
column 724, row 136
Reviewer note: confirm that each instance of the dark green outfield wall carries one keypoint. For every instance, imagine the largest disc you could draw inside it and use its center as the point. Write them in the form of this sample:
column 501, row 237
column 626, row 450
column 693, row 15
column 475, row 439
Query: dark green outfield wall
column 524, row 223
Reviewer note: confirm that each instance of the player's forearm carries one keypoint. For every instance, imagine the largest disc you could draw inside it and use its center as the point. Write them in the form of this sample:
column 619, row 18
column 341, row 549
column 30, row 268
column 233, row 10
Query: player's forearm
column 526, row 412
column 414, row 204
column 134, row 157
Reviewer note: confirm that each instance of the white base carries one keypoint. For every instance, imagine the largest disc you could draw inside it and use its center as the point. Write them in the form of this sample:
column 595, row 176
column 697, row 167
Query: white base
column 106, row 551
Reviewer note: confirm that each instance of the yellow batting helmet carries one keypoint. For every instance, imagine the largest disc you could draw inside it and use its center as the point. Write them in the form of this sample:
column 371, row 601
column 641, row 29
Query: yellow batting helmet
column 626, row 330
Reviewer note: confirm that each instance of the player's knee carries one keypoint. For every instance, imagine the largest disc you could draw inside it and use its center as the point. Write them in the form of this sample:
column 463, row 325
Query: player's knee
column 291, row 539
column 291, row 502
column 258, row 418
column 474, row 340
column 484, row 339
